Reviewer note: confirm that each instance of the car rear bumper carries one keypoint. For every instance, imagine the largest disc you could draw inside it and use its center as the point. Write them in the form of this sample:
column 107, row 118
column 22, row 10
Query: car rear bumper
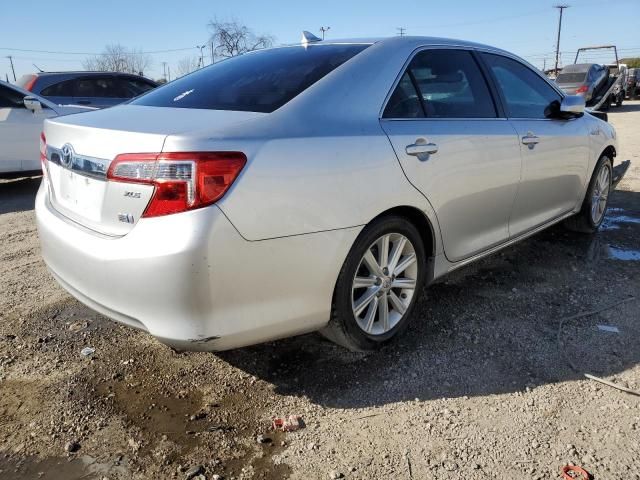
column 192, row 281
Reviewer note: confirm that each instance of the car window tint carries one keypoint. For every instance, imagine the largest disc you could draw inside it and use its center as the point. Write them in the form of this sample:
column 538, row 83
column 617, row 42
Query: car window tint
column 60, row 89
column 260, row 81
column 10, row 98
column 131, row 87
column 526, row 94
column 404, row 102
column 577, row 77
column 452, row 85
column 102, row 87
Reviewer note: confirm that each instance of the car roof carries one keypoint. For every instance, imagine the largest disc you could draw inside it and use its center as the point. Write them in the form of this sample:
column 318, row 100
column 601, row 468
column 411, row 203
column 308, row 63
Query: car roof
column 410, row 40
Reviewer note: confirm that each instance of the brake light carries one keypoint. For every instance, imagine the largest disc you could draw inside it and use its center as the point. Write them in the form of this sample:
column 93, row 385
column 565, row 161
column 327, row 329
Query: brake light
column 30, row 83
column 43, row 153
column 182, row 180
column 582, row 89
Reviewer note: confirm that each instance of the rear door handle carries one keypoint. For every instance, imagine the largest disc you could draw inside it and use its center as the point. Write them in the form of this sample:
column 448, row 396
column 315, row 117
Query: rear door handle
column 418, row 149
column 530, row 140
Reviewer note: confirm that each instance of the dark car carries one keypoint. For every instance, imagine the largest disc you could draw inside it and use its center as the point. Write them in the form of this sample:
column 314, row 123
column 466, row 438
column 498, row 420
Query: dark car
column 95, row 89
column 633, row 83
column 582, row 79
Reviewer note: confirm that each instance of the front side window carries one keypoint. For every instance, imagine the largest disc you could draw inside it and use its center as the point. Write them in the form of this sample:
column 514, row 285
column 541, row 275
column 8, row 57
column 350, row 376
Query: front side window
column 260, row 81
column 526, row 94
column 450, row 85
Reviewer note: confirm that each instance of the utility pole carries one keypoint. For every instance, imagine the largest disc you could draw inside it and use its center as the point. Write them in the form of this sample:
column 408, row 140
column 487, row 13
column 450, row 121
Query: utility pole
column 212, row 52
column 201, row 47
column 401, row 31
column 164, row 70
column 561, row 8
column 12, row 69
column 323, row 30
column 169, row 72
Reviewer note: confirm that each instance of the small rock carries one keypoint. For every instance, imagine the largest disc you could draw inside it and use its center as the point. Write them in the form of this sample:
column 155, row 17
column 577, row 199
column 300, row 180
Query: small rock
column 217, row 477
column 194, row 472
column 335, row 475
column 72, row 447
column 263, row 439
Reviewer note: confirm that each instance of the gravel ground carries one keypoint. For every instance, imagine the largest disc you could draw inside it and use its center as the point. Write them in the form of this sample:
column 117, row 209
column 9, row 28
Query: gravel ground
column 487, row 383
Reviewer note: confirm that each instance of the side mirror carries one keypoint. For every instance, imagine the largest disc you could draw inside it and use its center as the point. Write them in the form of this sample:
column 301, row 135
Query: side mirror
column 573, row 105
column 32, row 103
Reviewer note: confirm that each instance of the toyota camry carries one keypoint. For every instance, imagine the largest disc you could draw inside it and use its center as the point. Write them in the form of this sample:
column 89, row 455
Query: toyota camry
column 318, row 186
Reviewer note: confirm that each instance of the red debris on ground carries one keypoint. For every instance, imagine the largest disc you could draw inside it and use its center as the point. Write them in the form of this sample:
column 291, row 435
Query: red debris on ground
column 288, row 424
column 579, row 471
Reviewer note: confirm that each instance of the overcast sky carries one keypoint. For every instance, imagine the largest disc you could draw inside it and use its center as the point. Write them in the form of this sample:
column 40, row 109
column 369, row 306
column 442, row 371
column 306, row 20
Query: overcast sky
column 527, row 28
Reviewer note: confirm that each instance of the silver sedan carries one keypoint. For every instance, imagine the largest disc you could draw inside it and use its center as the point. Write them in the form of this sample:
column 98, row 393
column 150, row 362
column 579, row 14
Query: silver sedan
column 318, row 186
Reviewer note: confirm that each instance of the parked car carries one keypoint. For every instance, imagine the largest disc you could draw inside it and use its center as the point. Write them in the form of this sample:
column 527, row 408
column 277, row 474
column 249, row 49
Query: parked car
column 317, row 186
column 21, row 117
column 582, row 79
column 95, row 89
column 633, row 83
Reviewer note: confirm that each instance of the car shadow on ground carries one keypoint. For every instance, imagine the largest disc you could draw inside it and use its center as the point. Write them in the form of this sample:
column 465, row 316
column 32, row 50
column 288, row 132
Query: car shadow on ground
column 502, row 325
column 625, row 107
column 18, row 195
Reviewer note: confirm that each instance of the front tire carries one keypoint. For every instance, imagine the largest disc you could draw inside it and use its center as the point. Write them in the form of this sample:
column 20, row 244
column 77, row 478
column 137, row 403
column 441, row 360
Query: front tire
column 594, row 206
column 378, row 285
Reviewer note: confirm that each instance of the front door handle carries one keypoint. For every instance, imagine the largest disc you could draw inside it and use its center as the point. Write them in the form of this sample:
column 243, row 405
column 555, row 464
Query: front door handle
column 530, row 140
column 419, row 149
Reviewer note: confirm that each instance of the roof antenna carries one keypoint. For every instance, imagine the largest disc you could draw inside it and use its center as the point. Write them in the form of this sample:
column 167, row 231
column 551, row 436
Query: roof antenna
column 308, row 37
column 38, row 68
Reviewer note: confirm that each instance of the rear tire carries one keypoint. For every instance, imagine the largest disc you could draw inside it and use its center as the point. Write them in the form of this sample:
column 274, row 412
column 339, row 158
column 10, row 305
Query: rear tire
column 594, row 206
column 376, row 292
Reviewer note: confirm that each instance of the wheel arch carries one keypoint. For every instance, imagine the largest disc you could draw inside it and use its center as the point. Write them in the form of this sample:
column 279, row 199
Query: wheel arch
column 425, row 228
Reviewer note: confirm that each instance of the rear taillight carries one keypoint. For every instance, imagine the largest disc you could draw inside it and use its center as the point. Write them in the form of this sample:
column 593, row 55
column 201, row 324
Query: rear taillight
column 582, row 89
column 30, row 83
column 43, row 153
column 183, row 181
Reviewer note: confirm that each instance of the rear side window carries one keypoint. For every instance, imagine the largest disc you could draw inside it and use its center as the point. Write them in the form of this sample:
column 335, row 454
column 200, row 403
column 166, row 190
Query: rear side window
column 450, row 85
column 60, row 89
column 260, row 81
column 526, row 94
column 101, row 87
column 576, row 77
column 404, row 102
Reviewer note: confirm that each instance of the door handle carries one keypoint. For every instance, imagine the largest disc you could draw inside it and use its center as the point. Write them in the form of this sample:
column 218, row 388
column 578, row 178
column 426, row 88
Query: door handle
column 530, row 140
column 421, row 149
column 83, row 102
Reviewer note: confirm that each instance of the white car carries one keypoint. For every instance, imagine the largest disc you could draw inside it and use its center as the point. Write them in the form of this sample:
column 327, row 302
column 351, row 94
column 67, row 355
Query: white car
column 21, row 117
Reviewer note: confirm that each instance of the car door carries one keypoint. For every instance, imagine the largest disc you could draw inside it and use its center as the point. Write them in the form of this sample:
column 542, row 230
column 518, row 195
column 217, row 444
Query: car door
column 19, row 132
column 453, row 146
column 554, row 151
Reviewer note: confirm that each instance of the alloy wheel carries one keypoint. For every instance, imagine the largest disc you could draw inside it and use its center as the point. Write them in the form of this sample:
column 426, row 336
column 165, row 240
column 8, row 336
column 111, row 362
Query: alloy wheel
column 384, row 283
column 600, row 194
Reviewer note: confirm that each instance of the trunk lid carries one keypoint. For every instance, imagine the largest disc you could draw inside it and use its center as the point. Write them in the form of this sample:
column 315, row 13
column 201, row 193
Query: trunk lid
column 81, row 147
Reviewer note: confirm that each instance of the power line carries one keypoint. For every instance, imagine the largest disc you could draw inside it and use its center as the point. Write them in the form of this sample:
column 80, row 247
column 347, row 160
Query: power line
column 94, row 53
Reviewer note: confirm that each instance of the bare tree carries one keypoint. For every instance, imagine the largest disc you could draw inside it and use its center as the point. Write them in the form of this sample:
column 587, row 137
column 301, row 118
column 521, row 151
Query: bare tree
column 187, row 65
column 117, row 58
column 232, row 38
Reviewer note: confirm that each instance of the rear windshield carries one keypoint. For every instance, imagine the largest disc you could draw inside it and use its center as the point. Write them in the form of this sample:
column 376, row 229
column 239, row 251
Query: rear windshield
column 577, row 77
column 260, row 81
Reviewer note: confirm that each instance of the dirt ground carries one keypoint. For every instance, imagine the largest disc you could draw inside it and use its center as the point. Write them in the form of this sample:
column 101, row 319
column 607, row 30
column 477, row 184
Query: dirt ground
column 487, row 383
